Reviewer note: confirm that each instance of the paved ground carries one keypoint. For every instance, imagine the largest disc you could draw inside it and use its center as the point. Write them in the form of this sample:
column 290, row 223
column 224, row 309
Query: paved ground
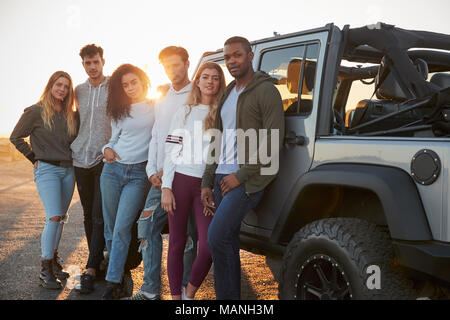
column 21, row 222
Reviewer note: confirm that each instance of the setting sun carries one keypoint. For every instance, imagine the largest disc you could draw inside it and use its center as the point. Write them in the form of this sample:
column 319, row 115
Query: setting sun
column 154, row 94
column 136, row 31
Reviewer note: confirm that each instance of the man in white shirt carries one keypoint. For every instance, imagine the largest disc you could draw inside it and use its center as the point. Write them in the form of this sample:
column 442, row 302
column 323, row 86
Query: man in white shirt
column 175, row 61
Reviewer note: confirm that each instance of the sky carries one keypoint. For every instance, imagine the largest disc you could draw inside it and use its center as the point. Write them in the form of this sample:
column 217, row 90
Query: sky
column 39, row 37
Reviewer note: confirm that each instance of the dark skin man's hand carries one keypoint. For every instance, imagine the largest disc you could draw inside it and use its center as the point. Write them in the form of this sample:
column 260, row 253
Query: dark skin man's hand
column 207, row 199
column 228, row 183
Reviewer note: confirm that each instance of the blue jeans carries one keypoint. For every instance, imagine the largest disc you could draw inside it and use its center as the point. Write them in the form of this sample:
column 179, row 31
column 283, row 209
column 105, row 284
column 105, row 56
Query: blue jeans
column 149, row 229
column 223, row 237
column 123, row 189
column 55, row 186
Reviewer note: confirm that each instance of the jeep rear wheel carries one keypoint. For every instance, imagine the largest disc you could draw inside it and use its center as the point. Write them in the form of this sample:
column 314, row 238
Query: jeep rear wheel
column 337, row 259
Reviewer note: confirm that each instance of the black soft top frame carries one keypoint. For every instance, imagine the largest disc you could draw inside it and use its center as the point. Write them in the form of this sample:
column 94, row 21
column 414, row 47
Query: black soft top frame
column 370, row 44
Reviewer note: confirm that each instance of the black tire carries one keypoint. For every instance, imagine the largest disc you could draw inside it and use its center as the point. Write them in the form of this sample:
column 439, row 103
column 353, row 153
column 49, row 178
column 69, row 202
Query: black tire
column 329, row 259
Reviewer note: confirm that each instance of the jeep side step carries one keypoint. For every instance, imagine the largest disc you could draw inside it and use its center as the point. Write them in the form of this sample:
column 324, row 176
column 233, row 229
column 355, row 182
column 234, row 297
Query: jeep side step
column 261, row 246
column 430, row 257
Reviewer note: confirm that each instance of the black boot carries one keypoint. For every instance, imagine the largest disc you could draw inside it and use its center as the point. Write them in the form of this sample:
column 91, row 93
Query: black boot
column 111, row 291
column 47, row 276
column 126, row 285
column 57, row 268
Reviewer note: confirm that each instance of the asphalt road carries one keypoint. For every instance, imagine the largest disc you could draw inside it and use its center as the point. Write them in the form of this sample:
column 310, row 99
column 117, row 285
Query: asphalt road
column 21, row 222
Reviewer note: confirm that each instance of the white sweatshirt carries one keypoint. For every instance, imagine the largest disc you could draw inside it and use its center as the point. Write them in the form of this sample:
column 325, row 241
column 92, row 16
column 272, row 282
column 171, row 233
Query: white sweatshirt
column 164, row 111
column 186, row 144
column 131, row 136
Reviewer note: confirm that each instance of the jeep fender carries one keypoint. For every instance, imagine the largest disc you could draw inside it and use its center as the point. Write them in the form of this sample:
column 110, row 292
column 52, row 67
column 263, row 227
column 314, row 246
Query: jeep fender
column 400, row 199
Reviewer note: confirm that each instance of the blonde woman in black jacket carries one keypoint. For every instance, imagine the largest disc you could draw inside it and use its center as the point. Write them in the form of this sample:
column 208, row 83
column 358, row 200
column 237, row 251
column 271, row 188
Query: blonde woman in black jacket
column 51, row 125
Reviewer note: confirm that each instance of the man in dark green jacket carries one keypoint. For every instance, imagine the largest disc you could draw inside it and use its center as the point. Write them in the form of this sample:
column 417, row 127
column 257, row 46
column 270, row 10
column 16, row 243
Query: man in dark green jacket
column 237, row 172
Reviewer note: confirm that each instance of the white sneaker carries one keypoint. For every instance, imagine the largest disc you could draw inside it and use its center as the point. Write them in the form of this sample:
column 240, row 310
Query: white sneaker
column 183, row 294
column 142, row 295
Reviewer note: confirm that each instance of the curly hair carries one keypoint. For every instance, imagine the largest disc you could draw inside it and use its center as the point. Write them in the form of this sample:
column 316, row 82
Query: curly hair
column 118, row 105
column 90, row 50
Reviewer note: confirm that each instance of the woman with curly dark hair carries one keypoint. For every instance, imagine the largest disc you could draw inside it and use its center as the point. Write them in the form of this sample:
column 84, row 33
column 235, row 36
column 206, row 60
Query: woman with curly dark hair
column 123, row 181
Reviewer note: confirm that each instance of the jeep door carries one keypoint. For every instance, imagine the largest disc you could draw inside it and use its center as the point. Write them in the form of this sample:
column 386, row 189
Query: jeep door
column 295, row 65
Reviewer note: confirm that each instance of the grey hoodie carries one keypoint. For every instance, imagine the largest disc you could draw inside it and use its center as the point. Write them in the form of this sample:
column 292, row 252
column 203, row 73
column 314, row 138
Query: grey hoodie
column 95, row 125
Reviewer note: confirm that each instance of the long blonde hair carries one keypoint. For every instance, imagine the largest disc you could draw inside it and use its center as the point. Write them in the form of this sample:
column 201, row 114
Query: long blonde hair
column 47, row 101
column 195, row 95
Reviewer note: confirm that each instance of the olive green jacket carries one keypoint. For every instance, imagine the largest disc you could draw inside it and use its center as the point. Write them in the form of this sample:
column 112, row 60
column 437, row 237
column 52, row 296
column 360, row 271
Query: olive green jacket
column 259, row 106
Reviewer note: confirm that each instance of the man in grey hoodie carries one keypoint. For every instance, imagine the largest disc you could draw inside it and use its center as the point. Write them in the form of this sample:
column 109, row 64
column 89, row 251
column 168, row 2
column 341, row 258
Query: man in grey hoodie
column 94, row 133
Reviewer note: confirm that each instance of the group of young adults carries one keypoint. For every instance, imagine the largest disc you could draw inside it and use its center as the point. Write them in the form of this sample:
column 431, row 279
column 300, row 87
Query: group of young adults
column 136, row 159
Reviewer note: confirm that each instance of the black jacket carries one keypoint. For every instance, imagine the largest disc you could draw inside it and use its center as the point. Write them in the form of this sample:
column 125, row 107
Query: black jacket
column 46, row 144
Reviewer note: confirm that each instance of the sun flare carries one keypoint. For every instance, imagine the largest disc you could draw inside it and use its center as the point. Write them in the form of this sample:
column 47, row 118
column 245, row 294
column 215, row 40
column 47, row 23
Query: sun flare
column 154, row 94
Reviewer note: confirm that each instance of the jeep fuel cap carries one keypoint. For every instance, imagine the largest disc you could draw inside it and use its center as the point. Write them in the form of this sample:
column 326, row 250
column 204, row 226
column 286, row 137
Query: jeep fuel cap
column 425, row 167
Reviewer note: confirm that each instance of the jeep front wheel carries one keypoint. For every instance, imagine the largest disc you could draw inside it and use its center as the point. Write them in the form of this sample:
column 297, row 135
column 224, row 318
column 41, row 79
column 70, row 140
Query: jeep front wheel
column 342, row 259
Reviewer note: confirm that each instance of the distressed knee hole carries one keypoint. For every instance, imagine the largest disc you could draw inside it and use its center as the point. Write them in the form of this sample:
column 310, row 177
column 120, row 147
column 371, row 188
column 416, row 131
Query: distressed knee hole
column 59, row 219
column 189, row 244
column 143, row 244
column 146, row 214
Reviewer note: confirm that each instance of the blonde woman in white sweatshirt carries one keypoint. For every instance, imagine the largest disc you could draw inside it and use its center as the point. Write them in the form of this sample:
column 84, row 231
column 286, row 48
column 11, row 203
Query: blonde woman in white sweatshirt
column 184, row 163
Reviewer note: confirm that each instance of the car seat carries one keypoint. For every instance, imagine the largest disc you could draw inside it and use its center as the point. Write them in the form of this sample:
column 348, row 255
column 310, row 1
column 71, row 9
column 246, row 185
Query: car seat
column 390, row 97
column 293, row 84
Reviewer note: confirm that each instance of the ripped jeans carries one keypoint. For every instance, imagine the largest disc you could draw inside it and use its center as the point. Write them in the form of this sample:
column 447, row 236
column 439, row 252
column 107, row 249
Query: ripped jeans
column 55, row 186
column 149, row 231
